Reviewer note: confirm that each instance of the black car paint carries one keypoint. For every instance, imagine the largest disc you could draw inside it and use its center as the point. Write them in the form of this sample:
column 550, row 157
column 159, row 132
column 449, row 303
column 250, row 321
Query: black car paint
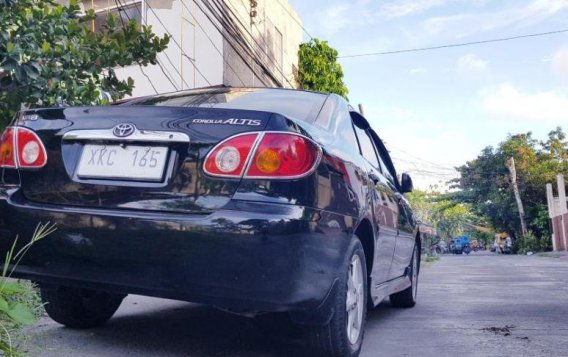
column 254, row 245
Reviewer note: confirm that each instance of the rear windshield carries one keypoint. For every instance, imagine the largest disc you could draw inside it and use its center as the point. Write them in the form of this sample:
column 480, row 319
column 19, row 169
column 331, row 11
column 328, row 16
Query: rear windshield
column 290, row 103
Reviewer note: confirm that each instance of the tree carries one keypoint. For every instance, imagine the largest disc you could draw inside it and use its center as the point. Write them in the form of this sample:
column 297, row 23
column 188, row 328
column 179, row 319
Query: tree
column 318, row 69
column 49, row 56
column 450, row 217
column 485, row 184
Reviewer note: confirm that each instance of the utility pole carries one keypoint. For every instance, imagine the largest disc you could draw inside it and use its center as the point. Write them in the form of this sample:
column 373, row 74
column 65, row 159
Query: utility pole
column 361, row 111
column 513, row 173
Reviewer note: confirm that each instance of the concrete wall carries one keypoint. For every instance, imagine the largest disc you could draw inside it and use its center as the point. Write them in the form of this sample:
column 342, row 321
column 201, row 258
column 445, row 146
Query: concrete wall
column 194, row 57
column 558, row 213
column 270, row 32
column 272, row 29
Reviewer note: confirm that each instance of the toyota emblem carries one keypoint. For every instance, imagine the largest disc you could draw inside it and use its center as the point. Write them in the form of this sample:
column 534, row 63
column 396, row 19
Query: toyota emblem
column 123, row 130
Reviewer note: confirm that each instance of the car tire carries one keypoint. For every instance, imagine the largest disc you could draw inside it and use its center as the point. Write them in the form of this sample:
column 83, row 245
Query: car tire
column 343, row 334
column 407, row 297
column 79, row 308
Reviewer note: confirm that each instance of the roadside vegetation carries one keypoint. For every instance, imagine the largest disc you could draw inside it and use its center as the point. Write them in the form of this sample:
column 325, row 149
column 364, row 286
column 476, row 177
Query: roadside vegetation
column 481, row 201
column 20, row 304
column 49, row 56
column 318, row 69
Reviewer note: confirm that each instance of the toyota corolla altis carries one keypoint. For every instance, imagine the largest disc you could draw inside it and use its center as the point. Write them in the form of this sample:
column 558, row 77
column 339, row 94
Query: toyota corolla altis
column 251, row 200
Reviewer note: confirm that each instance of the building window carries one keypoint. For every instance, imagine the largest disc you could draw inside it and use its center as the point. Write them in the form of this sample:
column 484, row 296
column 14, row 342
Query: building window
column 123, row 11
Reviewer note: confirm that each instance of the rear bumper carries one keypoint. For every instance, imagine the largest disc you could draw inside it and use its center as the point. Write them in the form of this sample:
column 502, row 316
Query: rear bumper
column 248, row 256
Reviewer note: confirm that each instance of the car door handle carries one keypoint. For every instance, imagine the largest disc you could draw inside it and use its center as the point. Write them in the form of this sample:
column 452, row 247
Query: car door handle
column 374, row 177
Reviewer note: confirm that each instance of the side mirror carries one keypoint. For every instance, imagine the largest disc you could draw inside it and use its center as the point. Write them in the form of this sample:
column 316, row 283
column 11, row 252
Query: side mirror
column 406, row 183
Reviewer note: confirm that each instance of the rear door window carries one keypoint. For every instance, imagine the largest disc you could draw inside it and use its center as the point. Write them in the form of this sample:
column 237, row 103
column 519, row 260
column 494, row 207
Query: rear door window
column 367, row 148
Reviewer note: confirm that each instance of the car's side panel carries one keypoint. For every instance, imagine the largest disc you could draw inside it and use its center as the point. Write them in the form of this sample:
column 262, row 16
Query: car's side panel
column 405, row 240
column 386, row 214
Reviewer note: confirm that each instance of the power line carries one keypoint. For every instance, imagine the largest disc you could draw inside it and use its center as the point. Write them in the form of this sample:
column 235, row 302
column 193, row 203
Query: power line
column 212, row 42
column 455, row 44
column 233, row 29
column 180, row 48
column 121, row 7
column 139, row 65
column 281, row 71
column 294, row 18
column 232, row 39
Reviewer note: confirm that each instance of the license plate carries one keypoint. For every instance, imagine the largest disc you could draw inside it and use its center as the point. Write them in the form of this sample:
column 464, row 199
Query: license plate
column 138, row 163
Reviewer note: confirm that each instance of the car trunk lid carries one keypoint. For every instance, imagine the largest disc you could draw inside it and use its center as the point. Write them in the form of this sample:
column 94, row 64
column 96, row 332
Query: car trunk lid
column 90, row 150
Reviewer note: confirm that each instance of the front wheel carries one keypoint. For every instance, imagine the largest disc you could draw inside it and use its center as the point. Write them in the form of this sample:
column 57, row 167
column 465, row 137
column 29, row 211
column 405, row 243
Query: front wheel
column 79, row 308
column 407, row 297
column 343, row 335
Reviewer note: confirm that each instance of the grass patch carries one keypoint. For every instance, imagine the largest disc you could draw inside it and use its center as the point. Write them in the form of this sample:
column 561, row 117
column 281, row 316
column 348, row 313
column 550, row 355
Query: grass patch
column 430, row 259
column 549, row 254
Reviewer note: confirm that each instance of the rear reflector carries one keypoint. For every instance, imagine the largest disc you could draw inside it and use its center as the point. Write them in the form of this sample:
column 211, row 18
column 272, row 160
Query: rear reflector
column 21, row 148
column 278, row 155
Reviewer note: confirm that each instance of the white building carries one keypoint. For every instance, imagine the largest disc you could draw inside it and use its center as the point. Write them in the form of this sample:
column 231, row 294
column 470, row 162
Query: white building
column 231, row 42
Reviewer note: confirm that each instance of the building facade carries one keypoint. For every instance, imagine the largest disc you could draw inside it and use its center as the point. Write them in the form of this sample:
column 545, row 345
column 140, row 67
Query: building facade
column 232, row 42
column 558, row 213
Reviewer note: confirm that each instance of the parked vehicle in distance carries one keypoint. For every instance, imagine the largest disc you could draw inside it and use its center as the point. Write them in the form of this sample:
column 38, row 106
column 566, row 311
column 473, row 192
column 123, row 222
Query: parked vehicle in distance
column 252, row 200
column 503, row 244
column 460, row 245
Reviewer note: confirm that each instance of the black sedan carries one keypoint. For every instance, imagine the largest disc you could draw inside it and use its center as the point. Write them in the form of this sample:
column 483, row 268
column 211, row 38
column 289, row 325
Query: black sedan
column 251, row 200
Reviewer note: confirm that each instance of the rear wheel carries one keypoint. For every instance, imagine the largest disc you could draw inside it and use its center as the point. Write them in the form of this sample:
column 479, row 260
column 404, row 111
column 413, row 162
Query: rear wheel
column 79, row 308
column 407, row 297
column 343, row 335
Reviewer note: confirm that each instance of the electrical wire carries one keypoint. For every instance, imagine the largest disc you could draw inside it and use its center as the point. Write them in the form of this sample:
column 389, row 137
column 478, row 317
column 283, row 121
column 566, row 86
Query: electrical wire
column 121, row 7
column 265, row 51
column 139, row 65
column 213, row 43
column 236, row 35
column 295, row 19
column 455, row 44
column 180, row 48
column 230, row 40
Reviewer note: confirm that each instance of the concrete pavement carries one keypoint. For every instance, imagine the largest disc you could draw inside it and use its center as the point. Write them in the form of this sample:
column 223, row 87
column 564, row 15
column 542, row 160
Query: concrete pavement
column 477, row 305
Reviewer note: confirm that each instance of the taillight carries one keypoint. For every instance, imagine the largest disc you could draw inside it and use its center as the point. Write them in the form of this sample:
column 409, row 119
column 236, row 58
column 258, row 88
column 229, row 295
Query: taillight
column 21, row 148
column 277, row 156
column 282, row 155
column 31, row 152
column 8, row 148
column 228, row 159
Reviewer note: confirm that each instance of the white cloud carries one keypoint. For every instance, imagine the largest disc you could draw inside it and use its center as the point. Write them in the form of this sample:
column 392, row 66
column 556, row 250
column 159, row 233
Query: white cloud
column 402, row 8
column 334, row 18
column 418, row 70
column 508, row 102
column 470, row 63
column 559, row 63
column 512, row 17
column 419, row 144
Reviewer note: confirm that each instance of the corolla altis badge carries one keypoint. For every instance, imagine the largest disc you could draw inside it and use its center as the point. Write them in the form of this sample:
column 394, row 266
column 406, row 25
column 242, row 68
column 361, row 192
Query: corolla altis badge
column 123, row 130
column 232, row 121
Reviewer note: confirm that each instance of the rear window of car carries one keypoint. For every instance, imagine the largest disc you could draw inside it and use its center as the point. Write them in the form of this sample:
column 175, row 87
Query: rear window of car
column 293, row 104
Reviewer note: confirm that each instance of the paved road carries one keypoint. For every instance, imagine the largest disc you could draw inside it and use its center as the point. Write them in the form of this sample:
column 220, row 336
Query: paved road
column 478, row 305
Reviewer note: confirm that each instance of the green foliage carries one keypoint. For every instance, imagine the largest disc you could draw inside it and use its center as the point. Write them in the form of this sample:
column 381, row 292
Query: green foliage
column 430, row 259
column 527, row 243
column 449, row 217
column 49, row 56
column 318, row 69
column 20, row 305
column 483, row 237
column 486, row 186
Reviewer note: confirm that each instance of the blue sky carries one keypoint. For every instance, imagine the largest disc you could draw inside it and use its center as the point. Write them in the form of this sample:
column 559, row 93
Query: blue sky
column 437, row 109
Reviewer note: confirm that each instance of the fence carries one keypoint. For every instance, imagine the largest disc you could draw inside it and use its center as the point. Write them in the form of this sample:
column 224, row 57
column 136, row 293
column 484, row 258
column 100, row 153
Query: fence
column 558, row 213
